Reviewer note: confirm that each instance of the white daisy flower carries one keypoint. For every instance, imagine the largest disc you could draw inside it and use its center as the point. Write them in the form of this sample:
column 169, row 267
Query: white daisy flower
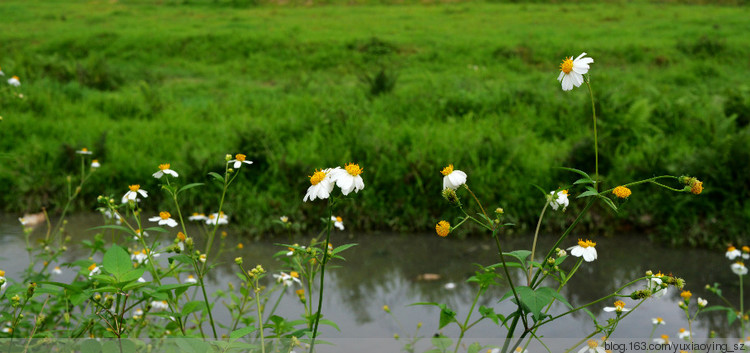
column 197, row 217
column 141, row 256
column 94, row 270
column 109, row 214
column 14, row 81
column 746, row 252
column 57, row 270
column 284, row 219
column 619, row 307
column 191, row 279
column 157, row 306
column 592, row 347
column 739, row 268
column 559, row 199
column 3, row 281
column 322, row 185
column 732, row 253
column 164, row 169
column 348, row 179
column 137, row 313
column 164, row 218
column 138, row 233
column 133, row 193
column 215, row 218
column 287, row 279
column 519, row 349
column 683, row 334
column 239, row 159
column 202, row 258
column 586, row 248
column 572, row 71
column 452, row 179
column 84, row 151
column 664, row 339
column 338, row 222
column 95, row 164
column 658, row 321
column 702, row 303
column 654, row 284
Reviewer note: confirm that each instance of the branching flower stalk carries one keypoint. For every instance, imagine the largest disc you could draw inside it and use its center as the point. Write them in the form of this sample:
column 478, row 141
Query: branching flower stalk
column 329, row 225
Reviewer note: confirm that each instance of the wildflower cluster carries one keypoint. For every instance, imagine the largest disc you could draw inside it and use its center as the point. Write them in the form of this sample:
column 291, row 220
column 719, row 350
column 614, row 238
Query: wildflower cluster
column 348, row 179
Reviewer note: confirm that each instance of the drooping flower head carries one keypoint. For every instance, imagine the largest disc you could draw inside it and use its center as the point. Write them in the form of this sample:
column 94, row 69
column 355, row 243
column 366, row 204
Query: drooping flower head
column 94, row 270
column 14, row 81
column 348, row 179
column 164, row 169
column 239, row 159
column 443, row 228
column 585, row 248
column 452, row 179
column 559, row 199
column 321, row 185
column 572, row 71
column 338, row 222
column 739, row 268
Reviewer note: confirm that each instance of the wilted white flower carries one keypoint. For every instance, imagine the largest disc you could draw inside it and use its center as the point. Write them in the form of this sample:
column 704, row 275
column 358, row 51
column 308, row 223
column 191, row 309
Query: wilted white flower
column 452, row 179
column 559, row 199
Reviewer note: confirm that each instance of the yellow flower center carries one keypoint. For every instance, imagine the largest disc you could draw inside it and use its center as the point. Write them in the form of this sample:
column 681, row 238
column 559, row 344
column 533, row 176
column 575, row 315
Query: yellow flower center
column 16, row 77
column 565, row 192
column 164, row 215
column 586, row 243
column 443, row 228
column 300, row 292
column 686, row 294
column 164, row 166
column 2, row 273
column 95, row 161
column 240, row 157
column 338, row 219
column 164, row 302
column 181, row 236
column 621, row 192
column 134, row 188
column 567, row 65
column 447, row 170
column 84, row 149
column 659, row 320
column 740, row 263
column 682, row 330
column 593, row 344
column 731, row 248
column 294, row 274
column 191, row 277
column 619, row 305
column 240, row 246
column 519, row 349
column 353, row 169
column 317, row 177
column 746, row 248
column 92, row 267
column 137, row 252
column 665, row 338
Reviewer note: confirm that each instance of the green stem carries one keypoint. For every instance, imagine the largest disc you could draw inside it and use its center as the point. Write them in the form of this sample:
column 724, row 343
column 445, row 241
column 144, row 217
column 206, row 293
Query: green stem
column 533, row 246
column 260, row 318
column 742, row 308
column 322, row 274
column 464, row 327
column 596, row 141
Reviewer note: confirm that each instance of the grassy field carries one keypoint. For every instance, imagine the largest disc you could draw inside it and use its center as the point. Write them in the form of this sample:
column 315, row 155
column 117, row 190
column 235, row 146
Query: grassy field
column 403, row 90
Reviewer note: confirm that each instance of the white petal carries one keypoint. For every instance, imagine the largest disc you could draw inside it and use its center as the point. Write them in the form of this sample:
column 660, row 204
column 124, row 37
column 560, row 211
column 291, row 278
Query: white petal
column 589, row 254
column 142, row 192
column 154, row 219
column 237, row 164
column 609, row 309
column 359, row 184
column 171, row 172
column 172, row 223
column 576, row 251
column 560, row 77
column 158, row 174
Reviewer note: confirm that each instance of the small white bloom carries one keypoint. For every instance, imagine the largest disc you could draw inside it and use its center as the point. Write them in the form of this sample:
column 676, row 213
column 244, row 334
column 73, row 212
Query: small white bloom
column 57, row 270
column 572, row 71
column 141, row 256
column 138, row 234
column 137, row 313
column 658, row 321
column 732, row 253
column 197, row 217
column 164, row 218
column 215, row 218
column 655, row 286
column 287, row 279
column 84, row 151
column 739, row 268
column 94, row 270
column 559, row 199
column 592, row 347
column 322, row 185
column 14, row 81
column 141, row 280
column 109, row 214
column 338, row 222
column 202, row 258
column 284, row 219
column 348, row 179
column 586, row 248
column 683, row 334
column 452, row 179
column 239, row 159
column 702, row 302
column 450, row 285
column 95, row 164
column 191, row 279
column 164, row 169
column 291, row 250
column 157, row 306
column 664, row 339
column 619, row 307
column 133, row 193
column 519, row 349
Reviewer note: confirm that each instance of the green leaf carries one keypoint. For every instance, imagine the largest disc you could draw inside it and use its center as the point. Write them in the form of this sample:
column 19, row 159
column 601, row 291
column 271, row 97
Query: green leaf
column 587, row 194
column 534, row 300
column 583, row 181
column 446, row 316
column 731, row 316
column 113, row 226
column 239, row 333
column 132, row 275
column 717, row 307
column 217, row 176
column 521, row 255
column 544, row 192
column 155, row 229
column 578, row 171
column 342, row 248
column 91, row 346
column 490, row 314
column 64, row 285
column 442, row 343
column 189, row 186
column 474, row 348
column 608, row 202
column 330, row 323
column 193, row 306
column 117, row 261
column 169, row 287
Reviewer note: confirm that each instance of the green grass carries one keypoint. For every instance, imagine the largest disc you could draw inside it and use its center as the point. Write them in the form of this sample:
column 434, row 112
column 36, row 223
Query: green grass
column 143, row 82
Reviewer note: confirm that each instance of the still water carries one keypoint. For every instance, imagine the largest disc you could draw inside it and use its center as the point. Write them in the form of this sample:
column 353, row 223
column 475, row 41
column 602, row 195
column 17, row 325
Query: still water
column 386, row 269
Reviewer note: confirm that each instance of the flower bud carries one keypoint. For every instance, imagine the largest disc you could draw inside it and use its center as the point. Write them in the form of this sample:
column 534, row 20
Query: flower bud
column 238, row 260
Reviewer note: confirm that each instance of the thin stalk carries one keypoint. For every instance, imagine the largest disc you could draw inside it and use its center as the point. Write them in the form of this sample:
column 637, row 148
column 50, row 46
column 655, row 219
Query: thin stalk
column 596, row 142
column 533, row 246
column 322, row 274
column 464, row 327
column 260, row 320
column 478, row 203
column 742, row 309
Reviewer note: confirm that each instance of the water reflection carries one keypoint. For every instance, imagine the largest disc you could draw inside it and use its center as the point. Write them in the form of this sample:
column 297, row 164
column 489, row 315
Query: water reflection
column 386, row 268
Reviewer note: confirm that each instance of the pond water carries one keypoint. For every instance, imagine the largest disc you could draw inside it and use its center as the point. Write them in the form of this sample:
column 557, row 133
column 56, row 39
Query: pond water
column 384, row 269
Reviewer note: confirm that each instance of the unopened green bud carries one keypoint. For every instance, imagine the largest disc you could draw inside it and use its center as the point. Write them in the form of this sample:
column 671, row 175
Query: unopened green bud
column 649, row 273
column 228, row 157
column 30, row 289
column 450, row 195
column 238, row 260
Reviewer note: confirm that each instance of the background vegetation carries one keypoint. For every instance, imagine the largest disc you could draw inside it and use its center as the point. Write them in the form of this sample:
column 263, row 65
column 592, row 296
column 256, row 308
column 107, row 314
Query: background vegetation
column 403, row 90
